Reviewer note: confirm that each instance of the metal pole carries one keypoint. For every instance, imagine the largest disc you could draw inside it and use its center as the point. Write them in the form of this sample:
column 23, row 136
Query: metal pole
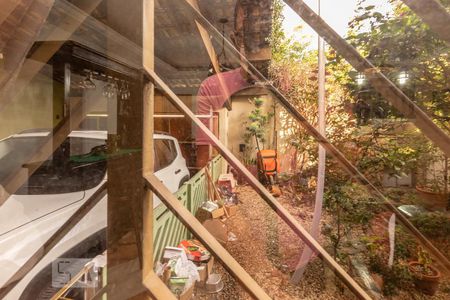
column 315, row 227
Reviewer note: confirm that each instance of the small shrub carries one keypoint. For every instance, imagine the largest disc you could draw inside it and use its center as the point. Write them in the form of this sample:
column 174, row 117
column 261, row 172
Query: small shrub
column 396, row 278
column 433, row 224
column 405, row 244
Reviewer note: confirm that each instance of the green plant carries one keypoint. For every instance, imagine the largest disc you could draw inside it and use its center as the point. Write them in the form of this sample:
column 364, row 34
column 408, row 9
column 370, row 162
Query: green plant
column 404, row 244
column 424, row 262
column 352, row 208
column 433, row 224
column 372, row 243
column 396, row 278
column 256, row 126
column 255, row 130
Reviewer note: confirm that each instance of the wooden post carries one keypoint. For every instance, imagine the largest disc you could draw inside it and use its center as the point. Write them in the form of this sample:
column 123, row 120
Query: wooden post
column 434, row 14
column 147, row 147
column 125, row 163
column 377, row 79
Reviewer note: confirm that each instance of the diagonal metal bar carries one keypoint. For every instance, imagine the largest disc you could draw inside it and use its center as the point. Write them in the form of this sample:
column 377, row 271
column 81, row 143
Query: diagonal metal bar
column 348, row 166
column 205, row 237
column 271, row 201
column 378, row 80
column 434, row 14
column 53, row 240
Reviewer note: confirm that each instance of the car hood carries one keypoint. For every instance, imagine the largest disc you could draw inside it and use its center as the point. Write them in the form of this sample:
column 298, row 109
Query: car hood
column 19, row 210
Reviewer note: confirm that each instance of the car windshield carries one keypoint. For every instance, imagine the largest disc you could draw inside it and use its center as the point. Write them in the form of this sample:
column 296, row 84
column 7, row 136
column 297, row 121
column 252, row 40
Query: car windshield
column 77, row 164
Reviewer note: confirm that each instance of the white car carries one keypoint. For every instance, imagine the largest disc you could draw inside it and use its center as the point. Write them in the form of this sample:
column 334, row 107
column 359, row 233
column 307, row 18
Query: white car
column 54, row 192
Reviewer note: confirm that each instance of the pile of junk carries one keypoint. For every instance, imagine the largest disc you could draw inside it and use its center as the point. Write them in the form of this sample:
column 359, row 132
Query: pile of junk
column 188, row 271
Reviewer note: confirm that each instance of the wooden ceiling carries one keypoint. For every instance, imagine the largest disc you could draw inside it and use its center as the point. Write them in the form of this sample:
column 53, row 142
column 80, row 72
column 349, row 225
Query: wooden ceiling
column 177, row 39
column 181, row 57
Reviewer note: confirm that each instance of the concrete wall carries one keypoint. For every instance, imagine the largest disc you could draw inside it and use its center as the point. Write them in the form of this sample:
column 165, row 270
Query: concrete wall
column 238, row 116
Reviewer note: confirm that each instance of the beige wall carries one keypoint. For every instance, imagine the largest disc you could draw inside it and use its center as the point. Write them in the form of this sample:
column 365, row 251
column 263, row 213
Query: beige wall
column 238, row 116
column 31, row 108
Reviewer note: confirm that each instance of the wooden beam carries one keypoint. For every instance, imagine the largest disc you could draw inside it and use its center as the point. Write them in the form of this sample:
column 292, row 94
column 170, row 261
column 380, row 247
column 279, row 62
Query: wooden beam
column 147, row 146
column 54, row 239
column 194, row 226
column 25, row 34
column 260, row 189
column 27, row 68
column 157, row 288
column 210, row 50
column 126, row 189
column 434, row 14
column 347, row 165
column 7, row 7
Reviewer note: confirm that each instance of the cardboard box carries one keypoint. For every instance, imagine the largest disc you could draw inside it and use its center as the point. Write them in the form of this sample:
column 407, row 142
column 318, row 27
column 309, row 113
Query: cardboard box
column 177, row 284
column 203, row 214
column 210, row 265
column 217, row 213
column 203, row 273
column 231, row 209
column 170, row 252
column 228, row 181
column 187, row 294
column 204, row 269
column 218, row 229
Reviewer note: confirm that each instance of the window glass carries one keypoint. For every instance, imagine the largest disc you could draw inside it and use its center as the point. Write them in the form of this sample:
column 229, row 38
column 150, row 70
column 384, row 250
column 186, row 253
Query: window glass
column 165, row 153
column 77, row 164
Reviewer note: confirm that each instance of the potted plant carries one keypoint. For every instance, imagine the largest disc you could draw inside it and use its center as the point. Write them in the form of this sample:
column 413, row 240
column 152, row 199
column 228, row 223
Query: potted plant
column 432, row 186
column 250, row 164
column 426, row 277
column 433, row 194
column 255, row 133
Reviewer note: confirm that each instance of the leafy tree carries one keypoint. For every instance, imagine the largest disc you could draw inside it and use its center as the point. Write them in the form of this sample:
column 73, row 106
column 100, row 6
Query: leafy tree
column 400, row 41
column 256, row 127
column 294, row 72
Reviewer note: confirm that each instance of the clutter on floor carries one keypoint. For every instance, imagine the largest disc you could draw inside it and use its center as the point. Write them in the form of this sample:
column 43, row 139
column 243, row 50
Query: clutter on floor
column 187, row 268
column 221, row 204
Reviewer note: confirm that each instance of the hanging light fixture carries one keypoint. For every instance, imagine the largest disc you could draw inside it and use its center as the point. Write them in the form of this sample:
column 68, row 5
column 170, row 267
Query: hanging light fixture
column 222, row 59
column 360, row 78
column 88, row 82
column 403, row 77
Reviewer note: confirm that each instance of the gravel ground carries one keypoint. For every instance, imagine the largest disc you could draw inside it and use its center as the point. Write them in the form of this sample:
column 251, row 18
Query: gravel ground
column 268, row 250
